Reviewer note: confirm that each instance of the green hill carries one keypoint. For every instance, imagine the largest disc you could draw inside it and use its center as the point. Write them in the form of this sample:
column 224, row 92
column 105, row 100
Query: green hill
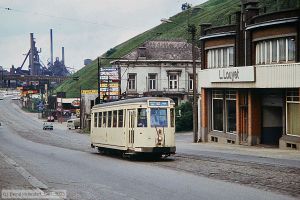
column 215, row 12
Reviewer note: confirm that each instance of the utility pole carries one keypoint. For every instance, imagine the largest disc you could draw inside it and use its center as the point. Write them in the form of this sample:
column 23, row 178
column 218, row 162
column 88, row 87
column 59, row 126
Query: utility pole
column 192, row 30
column 98, row 78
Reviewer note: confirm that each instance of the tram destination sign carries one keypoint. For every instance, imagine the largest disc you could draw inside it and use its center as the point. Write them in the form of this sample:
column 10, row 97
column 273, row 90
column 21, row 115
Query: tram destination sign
column 158, row 103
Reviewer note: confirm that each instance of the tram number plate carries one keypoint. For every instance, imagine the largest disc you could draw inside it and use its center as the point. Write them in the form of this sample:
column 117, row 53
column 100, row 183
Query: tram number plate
column 158, row 103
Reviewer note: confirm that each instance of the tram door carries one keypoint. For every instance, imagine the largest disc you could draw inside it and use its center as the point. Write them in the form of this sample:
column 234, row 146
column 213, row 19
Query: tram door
column 131, row 127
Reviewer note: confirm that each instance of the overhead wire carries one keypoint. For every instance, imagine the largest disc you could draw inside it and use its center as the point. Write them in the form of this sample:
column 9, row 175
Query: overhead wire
column 64, row 18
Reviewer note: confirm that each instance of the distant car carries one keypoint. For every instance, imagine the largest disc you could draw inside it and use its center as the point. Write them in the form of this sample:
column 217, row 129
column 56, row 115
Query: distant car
column 73, row 123
column 47, row 126
column 50, row 119
column 1, row 96
column 15, row 98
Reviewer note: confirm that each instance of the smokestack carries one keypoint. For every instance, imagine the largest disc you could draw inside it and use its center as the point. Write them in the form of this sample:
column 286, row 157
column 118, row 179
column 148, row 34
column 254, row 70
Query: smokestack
column 51, row 48
column 63, row 55
column 31, row 61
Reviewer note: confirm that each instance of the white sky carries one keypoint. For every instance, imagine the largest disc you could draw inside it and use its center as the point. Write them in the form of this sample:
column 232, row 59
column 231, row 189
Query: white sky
column 86, row 28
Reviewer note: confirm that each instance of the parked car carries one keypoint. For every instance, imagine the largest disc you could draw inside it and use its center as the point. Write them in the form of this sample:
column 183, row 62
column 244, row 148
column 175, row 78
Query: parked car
column 50, row 119
column 47, row 126
column 73, row 123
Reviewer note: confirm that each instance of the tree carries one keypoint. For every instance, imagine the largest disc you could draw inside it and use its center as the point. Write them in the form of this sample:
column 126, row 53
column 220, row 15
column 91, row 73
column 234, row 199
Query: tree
column 184, row 122
column 186, row 6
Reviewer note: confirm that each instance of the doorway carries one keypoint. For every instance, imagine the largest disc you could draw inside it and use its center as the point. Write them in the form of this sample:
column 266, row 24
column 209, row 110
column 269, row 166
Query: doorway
column 131, row 127
column 272, row 118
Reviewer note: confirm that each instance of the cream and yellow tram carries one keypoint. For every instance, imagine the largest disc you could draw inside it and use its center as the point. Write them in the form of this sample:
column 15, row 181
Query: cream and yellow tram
column 139, row 125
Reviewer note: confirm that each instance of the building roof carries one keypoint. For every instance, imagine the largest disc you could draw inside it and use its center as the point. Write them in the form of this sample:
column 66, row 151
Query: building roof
column 163, row 50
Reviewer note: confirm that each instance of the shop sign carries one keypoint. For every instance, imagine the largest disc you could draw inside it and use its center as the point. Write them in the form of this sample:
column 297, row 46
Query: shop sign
column 75, row 103
column 89, row 91
column 232, row 74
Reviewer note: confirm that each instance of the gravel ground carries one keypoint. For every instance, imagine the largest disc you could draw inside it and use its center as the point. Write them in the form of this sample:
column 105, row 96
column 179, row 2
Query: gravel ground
column 276, row 178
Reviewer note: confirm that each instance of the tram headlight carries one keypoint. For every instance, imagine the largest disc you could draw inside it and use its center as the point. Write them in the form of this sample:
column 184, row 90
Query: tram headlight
column 159, row 138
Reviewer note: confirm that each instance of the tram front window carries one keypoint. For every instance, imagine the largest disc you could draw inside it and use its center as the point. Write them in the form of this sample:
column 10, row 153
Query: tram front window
column 159, row 117
column 142, row 117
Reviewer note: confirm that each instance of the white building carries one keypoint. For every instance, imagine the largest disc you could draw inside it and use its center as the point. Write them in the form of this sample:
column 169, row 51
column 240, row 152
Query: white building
column 158, row 68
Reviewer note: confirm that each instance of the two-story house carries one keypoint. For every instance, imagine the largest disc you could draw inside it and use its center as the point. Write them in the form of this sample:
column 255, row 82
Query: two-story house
column 159, row 68
column 250, row 79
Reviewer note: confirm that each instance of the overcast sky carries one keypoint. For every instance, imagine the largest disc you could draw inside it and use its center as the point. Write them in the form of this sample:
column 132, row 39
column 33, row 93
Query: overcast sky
column 86, row 28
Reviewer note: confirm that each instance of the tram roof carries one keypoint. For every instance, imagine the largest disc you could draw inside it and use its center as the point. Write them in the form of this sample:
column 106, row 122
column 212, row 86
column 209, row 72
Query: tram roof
column 133, row 100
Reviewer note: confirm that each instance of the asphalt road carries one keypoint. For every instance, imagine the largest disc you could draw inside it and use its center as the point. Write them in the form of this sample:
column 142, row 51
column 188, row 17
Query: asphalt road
column 85, row 174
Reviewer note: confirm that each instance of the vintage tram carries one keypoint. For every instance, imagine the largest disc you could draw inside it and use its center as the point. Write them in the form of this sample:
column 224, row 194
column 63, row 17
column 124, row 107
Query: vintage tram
column 135, row 126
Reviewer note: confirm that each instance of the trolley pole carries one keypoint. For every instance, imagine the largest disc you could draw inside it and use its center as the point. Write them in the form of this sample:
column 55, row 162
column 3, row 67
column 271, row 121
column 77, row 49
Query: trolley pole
column 80, row 109
column 192, row 31
column 98, row 78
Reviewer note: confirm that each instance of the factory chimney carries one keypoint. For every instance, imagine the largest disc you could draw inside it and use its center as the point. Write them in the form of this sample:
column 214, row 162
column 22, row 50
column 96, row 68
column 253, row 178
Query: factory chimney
column 51, row 48
column 63, row 55
column 31, row 55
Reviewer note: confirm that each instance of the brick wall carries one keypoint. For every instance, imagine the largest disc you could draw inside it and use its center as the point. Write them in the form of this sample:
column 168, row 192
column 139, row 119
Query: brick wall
column 273, row 31
column 219, row 42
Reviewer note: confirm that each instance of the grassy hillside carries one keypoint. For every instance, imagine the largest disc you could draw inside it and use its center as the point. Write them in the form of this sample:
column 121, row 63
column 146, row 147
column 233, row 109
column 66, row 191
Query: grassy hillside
column 215, row 12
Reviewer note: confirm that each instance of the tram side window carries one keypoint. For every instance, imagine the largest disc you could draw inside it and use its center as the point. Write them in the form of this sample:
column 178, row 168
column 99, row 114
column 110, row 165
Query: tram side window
column 142, row 117
column 120, row 118
column 115, row 117
column 104, row 119
column 95, row 119
column 159, row 117
column 99, row 119
column 109, row 119
column 172, row 117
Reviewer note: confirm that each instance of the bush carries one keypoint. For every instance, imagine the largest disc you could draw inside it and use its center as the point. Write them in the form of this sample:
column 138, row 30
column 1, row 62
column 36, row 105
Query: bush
column 110, row 52
column 185, row 121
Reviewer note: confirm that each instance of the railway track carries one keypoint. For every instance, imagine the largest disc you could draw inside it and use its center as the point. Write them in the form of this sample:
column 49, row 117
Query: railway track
column 275, row 178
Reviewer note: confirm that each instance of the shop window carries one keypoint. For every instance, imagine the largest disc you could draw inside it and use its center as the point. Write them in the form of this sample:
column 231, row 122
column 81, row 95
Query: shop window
column 224, row 110
column 217, row 110
column 230, row 111
column 120, row 116
column 142, row 117
column 115, row 117
column 293, row 112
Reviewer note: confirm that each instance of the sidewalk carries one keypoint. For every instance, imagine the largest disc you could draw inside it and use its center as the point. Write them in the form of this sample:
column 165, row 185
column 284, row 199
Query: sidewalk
column 237, row 152
column 10, row 178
